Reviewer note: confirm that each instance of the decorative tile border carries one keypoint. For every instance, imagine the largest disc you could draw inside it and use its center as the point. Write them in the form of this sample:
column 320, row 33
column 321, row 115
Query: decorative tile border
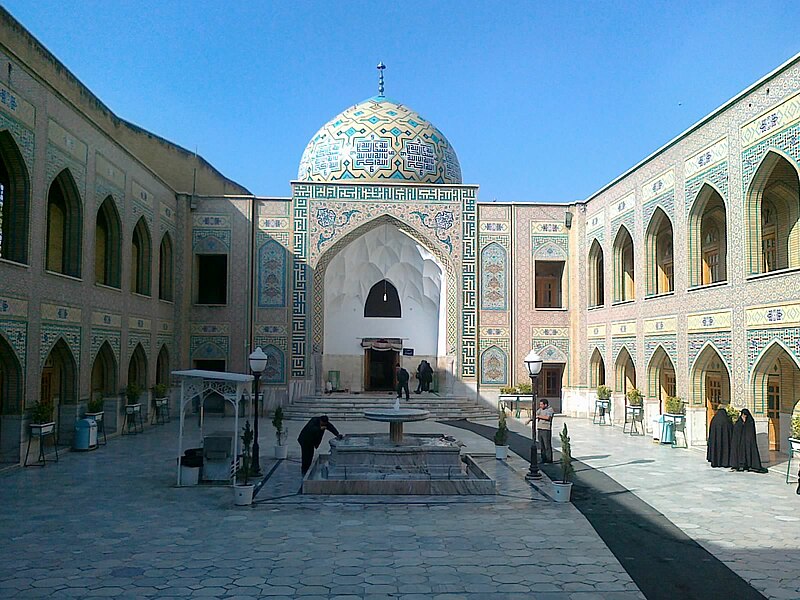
column 667, row 342
column 706, row 158
column 661, row 184
column 49, row 335
column 775, row 315
column 760, row 339
column 770, row 121
column 596, row 332
column 710, row 321
column 720, row 341
column 623, row 329
column 660, row 326
column 13, row 104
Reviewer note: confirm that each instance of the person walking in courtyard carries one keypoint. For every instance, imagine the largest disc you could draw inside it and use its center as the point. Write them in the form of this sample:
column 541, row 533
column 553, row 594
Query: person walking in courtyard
column 544, row 429
column 720, row 434
column 424, row 377
column 402, row 381
column 311, row 437
column 744, row 449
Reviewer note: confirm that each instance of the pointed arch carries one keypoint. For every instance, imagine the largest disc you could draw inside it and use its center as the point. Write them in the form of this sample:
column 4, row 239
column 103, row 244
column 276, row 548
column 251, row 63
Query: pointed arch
column 162, row 366
column 494, row 268
column 137, row 367
column 59, row 387
column 597, row 369
column 275, row 371
column 659, row 269
column 624, row 371
column 12, row 388
column 776, row 388
column 596, row 275
column 772, row 213
column 104, row 372
column 624, row 270
column 383, row 301
column 709, row 381
column 14, row 201
column 661, row 376
column 141, row 249
column 166, row 268
column 494, row 366
column 707, row 237
column 64, row 226
column 273, row 261
column 107, row 244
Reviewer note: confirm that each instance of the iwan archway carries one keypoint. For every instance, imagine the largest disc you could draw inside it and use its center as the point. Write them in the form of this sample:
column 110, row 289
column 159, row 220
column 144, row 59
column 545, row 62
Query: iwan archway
column 381, row 291
column 776, row 390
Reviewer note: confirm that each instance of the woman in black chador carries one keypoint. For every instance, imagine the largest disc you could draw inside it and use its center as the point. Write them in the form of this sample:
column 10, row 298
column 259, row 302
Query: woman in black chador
column 720, row 433
column 744, row 449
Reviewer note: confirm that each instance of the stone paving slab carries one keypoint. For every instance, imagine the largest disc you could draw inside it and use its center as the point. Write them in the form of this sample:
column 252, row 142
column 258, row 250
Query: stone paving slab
column 110, row 523
column 749, row 521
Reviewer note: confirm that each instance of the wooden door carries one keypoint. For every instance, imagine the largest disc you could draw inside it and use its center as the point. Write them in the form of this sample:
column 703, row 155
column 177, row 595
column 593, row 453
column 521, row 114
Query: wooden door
column 713, row 396
column 773, row 411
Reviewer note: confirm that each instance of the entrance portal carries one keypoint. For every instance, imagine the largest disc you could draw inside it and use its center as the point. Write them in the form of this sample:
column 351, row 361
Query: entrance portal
column 379, row 369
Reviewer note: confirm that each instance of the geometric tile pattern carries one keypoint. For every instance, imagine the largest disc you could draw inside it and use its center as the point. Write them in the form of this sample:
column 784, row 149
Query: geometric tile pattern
column 759, row 339
column 785, row 141
column 721, row 342
column 209, row 347
column 100, row 336
column 618, row 344
column 275, row 371
column 717, row 176
column 665, row 201
column 211, row 241
column 667, row 342
column 135, row 338
column 494, row 277
column 16, row 333
column 49, row 335
column 23, row 137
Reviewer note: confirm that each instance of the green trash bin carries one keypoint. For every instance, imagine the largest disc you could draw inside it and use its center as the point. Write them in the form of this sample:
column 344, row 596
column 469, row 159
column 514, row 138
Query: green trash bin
column 334, row 380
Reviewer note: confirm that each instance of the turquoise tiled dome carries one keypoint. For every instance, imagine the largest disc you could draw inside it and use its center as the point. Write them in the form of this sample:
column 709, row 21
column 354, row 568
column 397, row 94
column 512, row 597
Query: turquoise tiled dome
column 379, row 140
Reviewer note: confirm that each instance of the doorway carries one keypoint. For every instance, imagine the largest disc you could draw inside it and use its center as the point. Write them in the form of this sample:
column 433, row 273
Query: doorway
column 379, row 370
column 773, row 411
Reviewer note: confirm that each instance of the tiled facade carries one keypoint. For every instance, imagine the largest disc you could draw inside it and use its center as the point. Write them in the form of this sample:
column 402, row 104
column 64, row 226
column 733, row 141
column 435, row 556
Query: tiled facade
column 496, row 258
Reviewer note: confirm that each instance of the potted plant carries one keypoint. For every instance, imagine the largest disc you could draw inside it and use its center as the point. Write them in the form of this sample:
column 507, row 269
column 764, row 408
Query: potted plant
column 673, row 405
column 160, row 399
column 243, row 492
column 794, row 437
column 635, row 397
column 603, row 392
column 602, row 404
column 501, row 438
column 563, row 488
column 281, row 433
column 524, row 388
column 733, row 413
column 132, row 393
column 42, row 418
column 95, row 406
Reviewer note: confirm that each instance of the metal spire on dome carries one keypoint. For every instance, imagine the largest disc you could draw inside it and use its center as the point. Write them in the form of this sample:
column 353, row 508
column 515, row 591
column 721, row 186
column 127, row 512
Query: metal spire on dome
column 380, row 68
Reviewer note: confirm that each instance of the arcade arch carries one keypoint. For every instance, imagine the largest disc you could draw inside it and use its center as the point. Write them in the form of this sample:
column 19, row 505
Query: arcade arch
column 709, row 382
column 14, row 201
column 708, row 238
column 776, row 390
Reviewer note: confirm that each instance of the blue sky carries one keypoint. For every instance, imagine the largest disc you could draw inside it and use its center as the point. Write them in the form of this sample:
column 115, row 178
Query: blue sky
column 543, row 101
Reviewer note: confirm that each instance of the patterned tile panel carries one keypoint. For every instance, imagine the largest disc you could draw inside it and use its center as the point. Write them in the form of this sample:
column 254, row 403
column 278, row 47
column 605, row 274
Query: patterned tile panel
column 760, row 339
column 668, row 342
column 618, row 344
column 787, row 141
column 16, row 333
column 209, row 347
column 717, row 176
column 23, row 137
column 494, row 277
column 15, row 106
column 721, row 341
column 49, row 335
column 494, row 366
column 100, row 336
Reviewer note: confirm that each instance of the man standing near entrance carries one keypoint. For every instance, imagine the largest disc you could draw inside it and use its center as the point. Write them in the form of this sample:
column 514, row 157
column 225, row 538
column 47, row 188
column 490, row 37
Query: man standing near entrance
column 402, row 381
column 544, row 429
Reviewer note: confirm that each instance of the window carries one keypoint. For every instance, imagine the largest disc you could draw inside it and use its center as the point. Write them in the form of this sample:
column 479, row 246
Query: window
column 14, row 203
column 212, row 278
column 106, row 244
column 596, row 275
column 548, row 283
column 707, row 239
column 624, row 279
column 383, row 301
column 769, row 242
column 64, row 226
column 165, row 268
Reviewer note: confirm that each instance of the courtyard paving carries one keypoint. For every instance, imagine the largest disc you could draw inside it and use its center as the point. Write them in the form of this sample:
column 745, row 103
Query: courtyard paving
column 110, row 523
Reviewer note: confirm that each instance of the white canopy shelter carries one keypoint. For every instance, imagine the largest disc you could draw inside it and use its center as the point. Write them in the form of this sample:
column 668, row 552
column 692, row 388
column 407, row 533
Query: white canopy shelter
column 231, row 386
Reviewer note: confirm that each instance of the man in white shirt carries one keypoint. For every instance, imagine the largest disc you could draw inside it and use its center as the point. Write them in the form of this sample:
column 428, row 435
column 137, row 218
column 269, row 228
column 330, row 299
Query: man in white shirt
column 544, row 426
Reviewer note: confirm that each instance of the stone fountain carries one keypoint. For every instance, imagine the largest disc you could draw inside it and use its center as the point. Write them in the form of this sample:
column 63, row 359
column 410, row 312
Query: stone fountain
column 374, row 463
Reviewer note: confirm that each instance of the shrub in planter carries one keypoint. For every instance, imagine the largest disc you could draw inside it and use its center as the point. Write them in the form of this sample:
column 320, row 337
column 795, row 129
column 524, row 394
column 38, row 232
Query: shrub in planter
column 508, row 390
column 635, row 397
column 501, row 435
column 733, row 413
column 524, row 388
column 42, row 412
column 567, row 469
column 795, row 429
column 160, row 390
column 132, row 393
column 603, row 392
column 95, row 405
column 674, row 405
column 281, row 432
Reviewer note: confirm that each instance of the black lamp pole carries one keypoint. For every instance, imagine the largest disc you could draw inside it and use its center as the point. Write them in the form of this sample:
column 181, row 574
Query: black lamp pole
column 533, row 471
column 256, row 463
column 533, row 362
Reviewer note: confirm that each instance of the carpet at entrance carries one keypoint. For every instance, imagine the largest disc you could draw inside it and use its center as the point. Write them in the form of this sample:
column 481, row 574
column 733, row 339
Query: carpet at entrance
column 660, row 558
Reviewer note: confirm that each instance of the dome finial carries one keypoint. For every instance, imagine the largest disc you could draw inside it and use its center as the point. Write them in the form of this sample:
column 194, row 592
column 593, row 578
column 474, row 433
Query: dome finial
column 380, row 67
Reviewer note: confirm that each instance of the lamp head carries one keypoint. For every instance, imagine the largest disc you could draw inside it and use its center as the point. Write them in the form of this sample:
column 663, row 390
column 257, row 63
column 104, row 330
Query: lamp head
column 258, row 360
column 533, row 362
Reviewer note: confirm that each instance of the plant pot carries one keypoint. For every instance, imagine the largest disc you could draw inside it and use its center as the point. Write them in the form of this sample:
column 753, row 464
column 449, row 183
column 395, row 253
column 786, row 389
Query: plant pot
column 40, row 429
column 562, row 491
column 243, row 494
column 794, row 444
column 281, row 451
column 501, row 452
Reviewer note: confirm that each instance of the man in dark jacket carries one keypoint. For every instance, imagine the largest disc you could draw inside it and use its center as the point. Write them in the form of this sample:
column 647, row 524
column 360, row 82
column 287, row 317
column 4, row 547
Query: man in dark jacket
column 311, row 437
column 402, row 381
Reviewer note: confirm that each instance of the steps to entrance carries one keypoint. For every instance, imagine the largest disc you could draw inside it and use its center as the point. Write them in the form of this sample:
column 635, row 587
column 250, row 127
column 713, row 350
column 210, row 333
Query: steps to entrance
column 352, row 406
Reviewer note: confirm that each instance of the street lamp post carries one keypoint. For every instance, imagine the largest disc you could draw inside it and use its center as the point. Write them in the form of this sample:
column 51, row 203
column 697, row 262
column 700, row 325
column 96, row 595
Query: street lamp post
column 533, row 362
column 258, row 362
